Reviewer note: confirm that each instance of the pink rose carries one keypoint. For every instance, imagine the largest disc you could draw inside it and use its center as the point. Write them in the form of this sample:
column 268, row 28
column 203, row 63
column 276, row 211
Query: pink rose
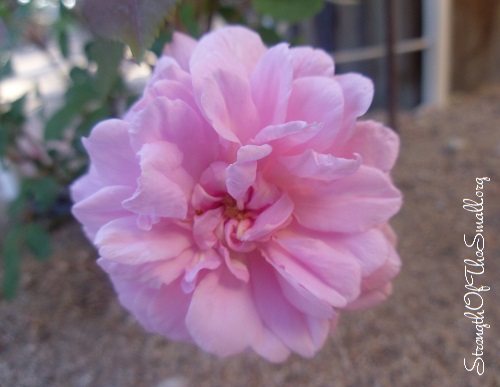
column 239, row 204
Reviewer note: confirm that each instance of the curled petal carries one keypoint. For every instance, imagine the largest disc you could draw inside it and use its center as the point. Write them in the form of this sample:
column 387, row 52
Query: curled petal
column 241, row 174
column 314, row 165
column 122, row 241
column 288, row 137
column 318, row 100
column 271, row 219
column 159, row 193
column 308, row 61
column 377, row 145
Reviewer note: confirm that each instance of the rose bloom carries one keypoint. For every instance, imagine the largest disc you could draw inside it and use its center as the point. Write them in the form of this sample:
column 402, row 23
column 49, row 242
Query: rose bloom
column 239, row 205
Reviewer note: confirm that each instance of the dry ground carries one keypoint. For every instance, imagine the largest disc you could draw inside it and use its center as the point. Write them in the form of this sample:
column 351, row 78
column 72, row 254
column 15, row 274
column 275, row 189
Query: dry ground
column 66, row 328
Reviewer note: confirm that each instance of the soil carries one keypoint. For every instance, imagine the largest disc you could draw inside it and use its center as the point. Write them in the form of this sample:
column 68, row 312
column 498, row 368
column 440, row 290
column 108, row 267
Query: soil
column 66, row 327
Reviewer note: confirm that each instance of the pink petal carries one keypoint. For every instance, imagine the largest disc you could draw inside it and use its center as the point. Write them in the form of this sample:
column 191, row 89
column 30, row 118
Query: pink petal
column 271, row 219
column 160, row 310
column 167, row 68
column 111, row 154
column 298, row 275
column 271, row 84
column 213, row 179
column 202, row 259
column 282, row 319
column 86, row 185
column 235, row 265
column 308, row 61
column 355, row 203
column 377, row 145
column 262, row 194
column 224, row 98
column 211, row 325
column 270, row 347
column 358, row 95
column 241, row 174
column 181, row 48
column 204, row 227
column 333, row 268
column 305, row 301
column 233, row 43
column 377, row 287
column 314, row 165
column 122, row 241
column 176, row 122
column 164, row 185
column 287, row 137
column 318, row 100
column 101, row 207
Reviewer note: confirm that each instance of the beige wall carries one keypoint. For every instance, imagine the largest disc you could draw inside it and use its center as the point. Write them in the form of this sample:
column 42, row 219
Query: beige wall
column 476, row 44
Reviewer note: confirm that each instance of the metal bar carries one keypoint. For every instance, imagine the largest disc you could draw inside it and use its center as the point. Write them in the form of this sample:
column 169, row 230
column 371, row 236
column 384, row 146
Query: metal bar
column 379, row 51
column 392, row 70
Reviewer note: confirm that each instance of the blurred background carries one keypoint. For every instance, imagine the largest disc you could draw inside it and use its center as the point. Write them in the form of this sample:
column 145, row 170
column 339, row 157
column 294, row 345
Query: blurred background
column 436, row 69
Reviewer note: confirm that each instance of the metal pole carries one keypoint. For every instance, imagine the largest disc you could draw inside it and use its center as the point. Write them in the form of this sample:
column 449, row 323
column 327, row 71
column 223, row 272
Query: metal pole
column 392, row 72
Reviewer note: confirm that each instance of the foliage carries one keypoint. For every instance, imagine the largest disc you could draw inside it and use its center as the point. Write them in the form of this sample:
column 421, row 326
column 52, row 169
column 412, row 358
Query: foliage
column 95, row 89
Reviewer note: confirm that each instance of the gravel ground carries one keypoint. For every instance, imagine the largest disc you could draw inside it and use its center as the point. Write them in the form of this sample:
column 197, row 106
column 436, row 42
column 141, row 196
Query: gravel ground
column 67, row 329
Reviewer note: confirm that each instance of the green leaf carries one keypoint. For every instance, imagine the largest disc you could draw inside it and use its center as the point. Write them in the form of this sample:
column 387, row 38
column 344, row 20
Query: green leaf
column 288, row 10
column 4, row 139
column 134, row 22
column 187, row 16
column 12, row 258
column 77, row 97
column 43, row 190
column 108, row 55
column 37, row 240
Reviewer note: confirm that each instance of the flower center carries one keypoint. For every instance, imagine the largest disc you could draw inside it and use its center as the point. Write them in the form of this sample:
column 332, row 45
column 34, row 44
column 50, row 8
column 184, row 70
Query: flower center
column 232, row 211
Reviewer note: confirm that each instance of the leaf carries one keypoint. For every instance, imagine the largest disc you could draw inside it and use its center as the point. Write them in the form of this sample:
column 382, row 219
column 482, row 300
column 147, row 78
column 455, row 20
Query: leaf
column 134, row 22
column 288, row 10
column 12, row 257
column 4, row 139
column 37, row 240
column 77, row 96
column 43, row 190
column 108, row 55
column 187, row 16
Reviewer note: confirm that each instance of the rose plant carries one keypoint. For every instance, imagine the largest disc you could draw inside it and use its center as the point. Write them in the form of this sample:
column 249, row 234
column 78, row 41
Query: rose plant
column 239, row 204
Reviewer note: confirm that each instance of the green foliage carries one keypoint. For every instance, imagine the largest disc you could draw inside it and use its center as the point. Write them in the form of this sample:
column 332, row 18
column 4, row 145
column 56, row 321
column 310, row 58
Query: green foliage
column 134, row 22
column 288, row 10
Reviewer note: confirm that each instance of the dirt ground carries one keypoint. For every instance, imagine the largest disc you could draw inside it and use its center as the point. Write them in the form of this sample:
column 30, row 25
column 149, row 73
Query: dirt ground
column 66, row 328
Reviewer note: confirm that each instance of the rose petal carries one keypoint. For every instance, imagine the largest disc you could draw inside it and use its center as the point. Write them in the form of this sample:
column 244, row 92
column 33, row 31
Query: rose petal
column 318, row 100
column 222, row 317
column 271, row 219
column 101, row 207
column 271, row 84
column 286, row 322
column 308, row 61
column 377, row 145
column 181, row 48
column 164, row 185
column 355, row 203
column 319, row 166
column 120, row 240
column 110, row 152
column 241, row 174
